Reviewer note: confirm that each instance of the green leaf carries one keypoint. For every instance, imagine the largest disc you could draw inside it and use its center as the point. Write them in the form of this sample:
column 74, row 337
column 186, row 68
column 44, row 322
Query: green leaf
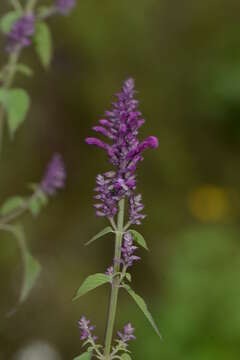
column 139, row 239
column 43, row 43
column 32, row 267
column 16, row 102
column 128, row 277
column 142, row 305
column 34, row 206
column 8, row 20
column 24, row 69
column 126, row 357
column 85, row 356
column 11, row 204
column 92, row 282
column 105, row 231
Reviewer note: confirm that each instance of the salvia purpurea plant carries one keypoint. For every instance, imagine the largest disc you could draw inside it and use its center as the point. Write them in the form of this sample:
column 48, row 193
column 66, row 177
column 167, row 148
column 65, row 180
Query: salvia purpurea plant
column 118, row 201
column 25, row 25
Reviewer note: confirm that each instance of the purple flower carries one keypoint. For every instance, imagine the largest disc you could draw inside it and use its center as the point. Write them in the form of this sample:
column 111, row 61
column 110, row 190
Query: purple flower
column 121, row 127
column 64, row 7
column 128, row 250
column 86, row 329
column 127, row 334
column 109, row 271
column 135, row 207
column 55, row 176
column 21, row 32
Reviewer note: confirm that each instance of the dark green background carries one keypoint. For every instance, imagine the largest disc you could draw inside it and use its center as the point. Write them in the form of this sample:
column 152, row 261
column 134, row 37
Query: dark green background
column 185, row 57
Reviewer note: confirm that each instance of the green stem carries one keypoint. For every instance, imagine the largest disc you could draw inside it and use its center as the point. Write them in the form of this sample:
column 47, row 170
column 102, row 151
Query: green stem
column 115, row 283
column 11, row 70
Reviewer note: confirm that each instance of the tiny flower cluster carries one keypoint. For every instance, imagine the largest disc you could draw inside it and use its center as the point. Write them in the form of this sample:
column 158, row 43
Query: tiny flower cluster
column 128, row 250
column 121, row 126
column 21, row 33
column 55, row 176
column 127, row 334
column 86, row 329
column 23, row 28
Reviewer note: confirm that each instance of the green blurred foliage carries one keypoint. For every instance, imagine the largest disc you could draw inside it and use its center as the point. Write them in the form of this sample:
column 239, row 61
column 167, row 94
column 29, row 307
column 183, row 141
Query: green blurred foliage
column 185, row 58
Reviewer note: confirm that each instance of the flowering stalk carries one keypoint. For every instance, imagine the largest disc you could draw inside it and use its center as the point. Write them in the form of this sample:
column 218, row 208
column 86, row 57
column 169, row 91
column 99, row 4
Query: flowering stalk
column 115, row 193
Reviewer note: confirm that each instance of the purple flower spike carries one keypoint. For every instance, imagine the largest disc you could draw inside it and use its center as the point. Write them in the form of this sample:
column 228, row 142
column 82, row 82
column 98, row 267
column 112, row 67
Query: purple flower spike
column 128, row 250
column 121, row 127
column 135, row 207
column 21, row 32
column 86, row 329
column 127, row 334
column 55, row 176
column 64, row 7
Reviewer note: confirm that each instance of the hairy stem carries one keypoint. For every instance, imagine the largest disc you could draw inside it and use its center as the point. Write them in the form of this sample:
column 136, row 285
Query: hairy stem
column 115, row 283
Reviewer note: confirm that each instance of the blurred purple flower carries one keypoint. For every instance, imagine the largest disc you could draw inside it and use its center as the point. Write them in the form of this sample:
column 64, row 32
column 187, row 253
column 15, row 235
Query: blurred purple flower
column 21, row 32
column 86, row 329
column 64, row 7
column 121, row 126
column 55, row 176
column 127, row 334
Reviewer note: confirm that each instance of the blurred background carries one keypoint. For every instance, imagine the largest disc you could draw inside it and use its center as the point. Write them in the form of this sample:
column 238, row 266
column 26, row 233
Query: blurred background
column 185, row 58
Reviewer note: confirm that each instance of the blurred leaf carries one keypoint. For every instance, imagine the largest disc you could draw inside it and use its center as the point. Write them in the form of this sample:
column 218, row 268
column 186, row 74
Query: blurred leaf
column 129, row 277
column 8, row 20
column 34, row 206
column 105, row 231
column 11, row 204
column 16, row 102
column 32, row 267
column 43, row 43
column 139, row 239
column 142, row 305
column 85, row 356
column 126, row 357
column 92, row 282
column 24, row 69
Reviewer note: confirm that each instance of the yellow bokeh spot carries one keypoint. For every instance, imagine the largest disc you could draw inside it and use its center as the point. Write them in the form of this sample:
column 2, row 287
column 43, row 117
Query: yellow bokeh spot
column 209, row 203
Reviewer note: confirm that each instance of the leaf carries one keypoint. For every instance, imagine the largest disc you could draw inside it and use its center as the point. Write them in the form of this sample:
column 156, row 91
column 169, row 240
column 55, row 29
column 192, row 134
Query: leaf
column 142, row 305
column 92, row 282
column 8, row 20
column 11, row 204
column 128, row 277
column 32, row 270
column 85, row 356
column 43, row 43
column 34, row 206
column 24, row 69
column 126, row 357
column 16, row 102
column 105, row 231
column 139, row 239
column 32, row 267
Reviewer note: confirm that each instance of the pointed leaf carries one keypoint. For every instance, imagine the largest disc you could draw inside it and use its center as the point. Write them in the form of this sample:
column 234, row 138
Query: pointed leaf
column 34, row 205
column 139, row 239
column 24, row 69
column 11, row 204
column 43, row 43
column 105, row 231
column 91, row 282
column 7, row 21
column 128, row 277
column 32, row 267
column 16, row 103
column 126, row 357
column 85, row 356
column 142, row 305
